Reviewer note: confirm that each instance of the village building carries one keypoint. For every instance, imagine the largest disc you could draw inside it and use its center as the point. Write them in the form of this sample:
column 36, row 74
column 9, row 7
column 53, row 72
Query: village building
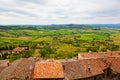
column 88, row 66
column 113, row 71
column 48, row 70
column 6, row 52
column 113, row 54
column 98, row 55
column 15, row 50
column 18, row 49
column 110, row 58
column 19, row 70
column 85, row 69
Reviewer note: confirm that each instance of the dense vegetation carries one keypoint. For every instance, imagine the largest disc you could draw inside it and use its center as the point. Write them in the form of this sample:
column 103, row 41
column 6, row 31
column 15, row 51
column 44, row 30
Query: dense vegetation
column 58, row 41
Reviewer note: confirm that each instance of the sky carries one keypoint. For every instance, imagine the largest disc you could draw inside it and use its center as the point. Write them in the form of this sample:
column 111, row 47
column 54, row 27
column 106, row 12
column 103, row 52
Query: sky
column 59, row 11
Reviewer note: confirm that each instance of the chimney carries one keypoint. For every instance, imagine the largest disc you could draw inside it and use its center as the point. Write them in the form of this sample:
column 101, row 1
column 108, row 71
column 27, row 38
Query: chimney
column 89, row 67
column 118, row 53
column 90, row 52
column 8, row 64
column 27, row 77
column 63, row 67
column 77, row 57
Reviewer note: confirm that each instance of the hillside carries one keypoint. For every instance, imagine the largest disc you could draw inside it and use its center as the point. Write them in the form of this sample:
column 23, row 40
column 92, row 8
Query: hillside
column 59, row 41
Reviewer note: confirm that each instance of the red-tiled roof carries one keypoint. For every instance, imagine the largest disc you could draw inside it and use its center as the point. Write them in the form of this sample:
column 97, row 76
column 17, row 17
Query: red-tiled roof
column 85, row 55
column 114, row 63
column 7, row 71
column 99, row 55
column 48, row 69
column 19, row 69
column 96, row 66
column 3, row 64
column 79, row 69
column 18, row 49
column 113, row 54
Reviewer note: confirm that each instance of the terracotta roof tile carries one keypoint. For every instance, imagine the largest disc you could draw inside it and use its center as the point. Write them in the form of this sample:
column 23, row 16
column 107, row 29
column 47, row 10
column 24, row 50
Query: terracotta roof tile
column 48, row 69
column 99, row 55
column 19, row 69
column 114, row 63
column 18, row 49
column 3, row 64
column 79, row 69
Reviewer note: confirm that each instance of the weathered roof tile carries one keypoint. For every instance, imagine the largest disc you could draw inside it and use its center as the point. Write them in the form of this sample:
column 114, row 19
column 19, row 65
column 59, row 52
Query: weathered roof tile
column 79, row 69
column 48, row 69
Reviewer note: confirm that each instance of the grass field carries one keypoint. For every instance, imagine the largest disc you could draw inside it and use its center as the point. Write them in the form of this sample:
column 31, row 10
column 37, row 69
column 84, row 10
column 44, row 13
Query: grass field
column 63, row 42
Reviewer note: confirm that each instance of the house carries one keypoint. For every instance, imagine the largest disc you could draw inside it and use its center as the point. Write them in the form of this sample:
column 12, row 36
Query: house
column 98, row 55
column 110, row 58
column 21, row 70
column 113, row 53
column 88, row 66
column 90, row 55
column 48, row 70
column 6, row 52
column 84, row 69
column 18, row 50
column 113, row 71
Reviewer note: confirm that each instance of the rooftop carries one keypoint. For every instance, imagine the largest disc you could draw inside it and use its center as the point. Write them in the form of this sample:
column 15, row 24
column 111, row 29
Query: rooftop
column 79, row 69
column 114, row 63
column 96, row 55
column 48, row 69
column 18, row 49
column 3, row 64
column 20, row 69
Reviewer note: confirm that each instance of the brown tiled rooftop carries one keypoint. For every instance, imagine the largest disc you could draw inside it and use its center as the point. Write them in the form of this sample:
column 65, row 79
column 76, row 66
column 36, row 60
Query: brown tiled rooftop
column 114, row 63
column 3, row 64
column 18, row 49
column 19, row 69
column 96, row 55
column 79, row 69
column 48, row 69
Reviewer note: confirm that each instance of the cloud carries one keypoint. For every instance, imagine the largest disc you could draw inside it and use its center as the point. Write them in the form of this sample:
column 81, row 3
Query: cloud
column 59, row 11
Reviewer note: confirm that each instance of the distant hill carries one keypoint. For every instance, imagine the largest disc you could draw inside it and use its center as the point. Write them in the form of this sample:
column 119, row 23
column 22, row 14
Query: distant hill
column 107, row 25
column 58, row 26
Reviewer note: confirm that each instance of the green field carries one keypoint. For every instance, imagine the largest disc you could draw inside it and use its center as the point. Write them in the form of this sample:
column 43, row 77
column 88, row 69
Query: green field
column 58, row 41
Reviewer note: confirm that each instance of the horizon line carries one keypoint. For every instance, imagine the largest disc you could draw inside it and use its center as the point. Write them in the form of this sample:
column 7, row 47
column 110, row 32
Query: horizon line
column 66, row 24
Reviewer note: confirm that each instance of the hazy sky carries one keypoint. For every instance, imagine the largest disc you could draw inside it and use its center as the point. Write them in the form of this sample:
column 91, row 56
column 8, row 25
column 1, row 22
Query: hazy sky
column 59, row 11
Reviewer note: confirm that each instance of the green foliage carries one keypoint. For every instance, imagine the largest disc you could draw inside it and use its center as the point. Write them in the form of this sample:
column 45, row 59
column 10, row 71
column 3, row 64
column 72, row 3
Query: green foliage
column 58, row 41
column 47, row 52
column 14, row 56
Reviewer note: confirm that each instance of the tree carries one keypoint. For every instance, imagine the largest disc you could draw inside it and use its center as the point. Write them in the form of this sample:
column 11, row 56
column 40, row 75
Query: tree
column 47, row 50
